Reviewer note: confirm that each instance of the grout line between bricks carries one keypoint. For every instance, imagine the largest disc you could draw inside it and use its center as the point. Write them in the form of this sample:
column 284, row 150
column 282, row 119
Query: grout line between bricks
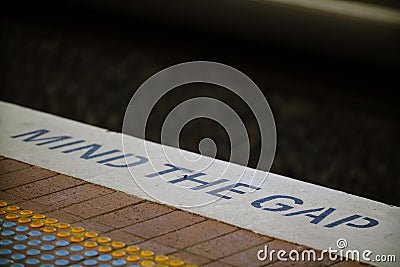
column 114, row 210
column 151, row 238
column 183, row 250
column 57, row 191
column 130, row 205
column 95, row 197
column 228, row 255
column 63, row 207
column 23, row 168
column 13, row 187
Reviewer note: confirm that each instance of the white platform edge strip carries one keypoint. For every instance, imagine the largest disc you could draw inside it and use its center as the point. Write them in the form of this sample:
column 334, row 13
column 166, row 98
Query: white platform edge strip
column 365, row 224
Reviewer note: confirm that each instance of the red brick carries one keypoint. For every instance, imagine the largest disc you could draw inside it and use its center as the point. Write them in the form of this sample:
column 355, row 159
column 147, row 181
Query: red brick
column 102, row 204
column 249, row 256
column 220, row 264
column 93, row 226
column 10, row 165
column 122, row 236
column 195, row 234
column 246, row 257
column 10, row 198
column 133, row 214
column 24, row 176
column 158, row 248
column 35, row 207
column 228, row 244
column 73, row 195
column 296, row 263
column 164, row 224
column 62, row 216
column 190, row 257
column 325, row 261
column 350, row 264
column 45, row 186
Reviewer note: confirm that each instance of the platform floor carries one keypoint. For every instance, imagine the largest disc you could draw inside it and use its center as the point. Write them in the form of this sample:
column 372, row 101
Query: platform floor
column 182, row 236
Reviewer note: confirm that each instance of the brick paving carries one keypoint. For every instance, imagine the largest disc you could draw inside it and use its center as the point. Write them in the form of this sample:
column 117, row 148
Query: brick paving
column 132, row 220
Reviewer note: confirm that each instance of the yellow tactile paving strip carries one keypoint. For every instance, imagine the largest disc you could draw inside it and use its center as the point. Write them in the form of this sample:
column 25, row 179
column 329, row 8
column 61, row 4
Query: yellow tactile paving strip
column 34, row 239
column 121, row 217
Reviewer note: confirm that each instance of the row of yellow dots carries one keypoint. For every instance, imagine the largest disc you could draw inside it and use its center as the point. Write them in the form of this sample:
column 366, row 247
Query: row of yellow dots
column 78, row 234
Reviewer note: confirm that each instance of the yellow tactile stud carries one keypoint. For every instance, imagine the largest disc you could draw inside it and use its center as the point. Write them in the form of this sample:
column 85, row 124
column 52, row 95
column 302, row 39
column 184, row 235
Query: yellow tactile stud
column 118, row 245
column 161, row 258
column 118, row 253
column 91, row 234
column 63, row 234
column 77, row 229
column 24, row 220
column 132, row 249
column 63, row 225
column 147, row 253
column 38, row 216
column 26, row 212
column 145, row 258
column 12, row 208
column 90, row 244
column 77, row 239
column 49, row 229
column 176, row 263
column 104, row 249
column 37, row 224
column 50, row 221
column 12, row 216
column 104, row 239
column 133, row 258
column 147, row 263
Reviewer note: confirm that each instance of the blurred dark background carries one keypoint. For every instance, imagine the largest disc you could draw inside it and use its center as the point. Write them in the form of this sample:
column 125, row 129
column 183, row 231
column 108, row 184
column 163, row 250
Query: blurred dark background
column 330, row 78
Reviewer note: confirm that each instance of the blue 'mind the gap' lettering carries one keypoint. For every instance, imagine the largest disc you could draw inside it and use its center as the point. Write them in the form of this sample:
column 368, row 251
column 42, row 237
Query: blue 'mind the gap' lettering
column 90, row 153
column 370, row 222
column 141, row 160
column 231, row 188
column 282, row 207
column 33, row 137
column 172, row 168
column 355, row 220
column 192, row 178
column 317, row 218
column 67, row 144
